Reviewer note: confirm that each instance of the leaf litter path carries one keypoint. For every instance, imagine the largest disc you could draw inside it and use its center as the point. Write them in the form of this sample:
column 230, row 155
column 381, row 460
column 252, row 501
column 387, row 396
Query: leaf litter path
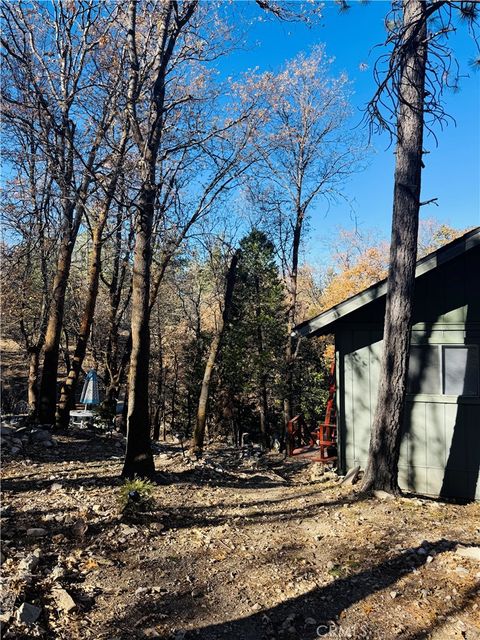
column 236, row 549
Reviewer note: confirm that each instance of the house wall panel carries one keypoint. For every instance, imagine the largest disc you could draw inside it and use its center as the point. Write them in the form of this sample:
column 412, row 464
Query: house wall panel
column 440, row 449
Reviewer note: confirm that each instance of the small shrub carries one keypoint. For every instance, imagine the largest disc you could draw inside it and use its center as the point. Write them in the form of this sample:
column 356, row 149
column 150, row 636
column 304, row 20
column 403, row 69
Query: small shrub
column 136, row 497
column 337, row 571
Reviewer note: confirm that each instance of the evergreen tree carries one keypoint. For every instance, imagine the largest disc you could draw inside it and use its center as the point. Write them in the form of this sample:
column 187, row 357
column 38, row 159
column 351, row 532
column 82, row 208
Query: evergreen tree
column 252, row 358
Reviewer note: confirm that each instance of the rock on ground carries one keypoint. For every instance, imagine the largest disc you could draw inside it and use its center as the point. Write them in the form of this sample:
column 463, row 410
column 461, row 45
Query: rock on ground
column 28, row 613
column 63, row 600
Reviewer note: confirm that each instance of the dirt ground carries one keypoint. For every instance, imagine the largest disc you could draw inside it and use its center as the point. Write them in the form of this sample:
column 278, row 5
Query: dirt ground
column 240, row 549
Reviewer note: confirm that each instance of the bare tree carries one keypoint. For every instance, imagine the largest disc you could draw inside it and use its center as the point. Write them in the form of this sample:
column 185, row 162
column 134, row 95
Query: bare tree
column 180, row 139
column 97, row 220
column 147, row 79
column 307, row 154
column 228, row 281
column 28, row 214
column 52, row 88
column 118, row 283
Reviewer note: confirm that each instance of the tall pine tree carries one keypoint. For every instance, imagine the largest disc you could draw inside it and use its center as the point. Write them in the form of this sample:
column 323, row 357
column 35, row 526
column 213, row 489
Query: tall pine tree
column 253, row 354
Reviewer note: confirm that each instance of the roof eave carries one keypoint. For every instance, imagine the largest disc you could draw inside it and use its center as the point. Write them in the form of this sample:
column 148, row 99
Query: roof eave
column 322, row 324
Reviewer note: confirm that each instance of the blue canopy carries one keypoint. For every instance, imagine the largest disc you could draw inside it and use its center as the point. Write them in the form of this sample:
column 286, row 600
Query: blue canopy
column 90, row 395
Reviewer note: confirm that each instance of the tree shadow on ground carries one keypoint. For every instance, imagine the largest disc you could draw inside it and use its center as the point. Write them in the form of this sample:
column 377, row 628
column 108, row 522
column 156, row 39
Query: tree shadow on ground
column 78, row 449
column 104, row 522
column 21, row 485
column 314, row 493
column 194, row 476
column 213, row 516
column 196, row 517
column 327, row 602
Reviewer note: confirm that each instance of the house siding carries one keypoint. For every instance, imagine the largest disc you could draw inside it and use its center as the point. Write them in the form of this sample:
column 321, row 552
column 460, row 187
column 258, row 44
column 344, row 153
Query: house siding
column 440, row 450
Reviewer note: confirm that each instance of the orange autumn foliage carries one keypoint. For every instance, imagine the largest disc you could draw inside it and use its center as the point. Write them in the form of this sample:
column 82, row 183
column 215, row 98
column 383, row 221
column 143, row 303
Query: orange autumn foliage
column 369, row 268
column 360, row 266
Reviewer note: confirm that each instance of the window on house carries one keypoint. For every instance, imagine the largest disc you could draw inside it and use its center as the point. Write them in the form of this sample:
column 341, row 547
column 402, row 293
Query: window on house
column 460, row 371
column 444, row 370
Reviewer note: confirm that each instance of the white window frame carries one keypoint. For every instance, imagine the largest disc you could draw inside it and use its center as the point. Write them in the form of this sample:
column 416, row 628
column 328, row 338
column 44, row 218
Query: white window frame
column 441, row 369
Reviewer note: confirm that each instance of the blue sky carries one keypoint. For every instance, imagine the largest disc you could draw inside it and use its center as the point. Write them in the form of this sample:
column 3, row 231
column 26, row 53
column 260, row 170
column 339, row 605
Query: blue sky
column 452, row 172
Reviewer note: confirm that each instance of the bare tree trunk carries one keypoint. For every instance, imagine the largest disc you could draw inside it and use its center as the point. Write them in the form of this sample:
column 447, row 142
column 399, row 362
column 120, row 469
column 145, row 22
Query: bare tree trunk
column 123, row 422
column 290, row 351
column 382, row 468
column 115, row 372
column 72, row 216
column 67, row 392
column 40, row 215
column 73, row 201
column 156, row 423
column 199, row 431
column 48, row 387
column 160, row 392
column 33, row 369
column 163, row 410
column 120, row 376
column 138, row 456
column 174, row 395
column 189, row 412
column 264, row 422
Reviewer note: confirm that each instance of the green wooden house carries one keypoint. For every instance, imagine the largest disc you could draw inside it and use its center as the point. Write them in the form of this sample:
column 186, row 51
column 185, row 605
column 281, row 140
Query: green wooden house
column 440, row 452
